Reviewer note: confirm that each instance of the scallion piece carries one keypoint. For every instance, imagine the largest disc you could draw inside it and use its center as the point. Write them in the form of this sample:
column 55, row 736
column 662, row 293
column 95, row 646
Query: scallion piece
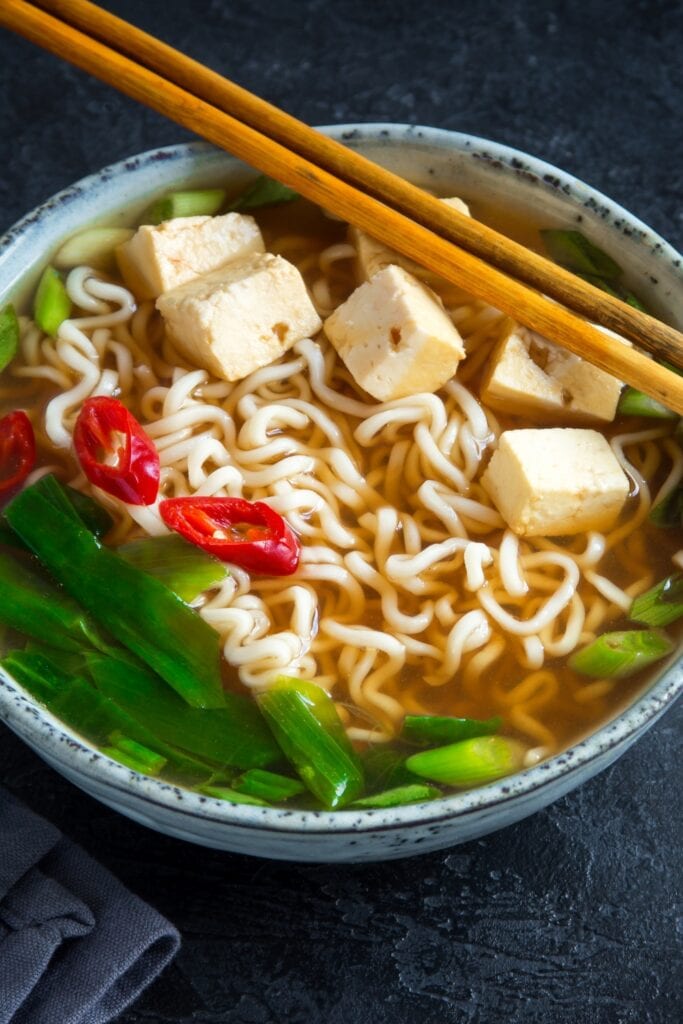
column 635, row 403
column 232, row 795
column 385, row 768
column 93, row 247
column 269, row 786
column 669, row 512
column 621, row 654
column 400, row 795
column 184, row 568
column 574, row 251
column 76, row 504
column 204, row 202
column 9, row 335
column 468, row 763
column 661, row 604
column 305, row 723
column 37, row 674
column 134, row 755
column 52, row 305
column 431, row 729
column 263, row 192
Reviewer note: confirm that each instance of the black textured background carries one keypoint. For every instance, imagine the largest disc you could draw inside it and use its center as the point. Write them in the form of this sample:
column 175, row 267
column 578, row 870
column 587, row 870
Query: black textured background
column 571, row 916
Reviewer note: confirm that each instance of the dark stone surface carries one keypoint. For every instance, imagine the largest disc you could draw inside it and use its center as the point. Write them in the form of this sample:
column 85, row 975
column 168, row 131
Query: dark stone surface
column 569, row 917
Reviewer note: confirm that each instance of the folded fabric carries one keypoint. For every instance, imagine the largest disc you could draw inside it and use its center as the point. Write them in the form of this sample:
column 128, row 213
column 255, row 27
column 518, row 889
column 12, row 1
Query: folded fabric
column 76, row 947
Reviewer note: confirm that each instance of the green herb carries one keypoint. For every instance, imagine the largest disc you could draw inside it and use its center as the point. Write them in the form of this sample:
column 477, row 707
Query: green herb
column 182, row 567
column 203, row 202
column 399, row 796
column 76, row 504
column 263, row 192
column 431, row 729
column 621, row 654
column 269, row 786
column 52, row 305
column 134, row 755
column 306, row 725
column 661, row 604
column 468, row 763
column 225, row 793
column 9, row 335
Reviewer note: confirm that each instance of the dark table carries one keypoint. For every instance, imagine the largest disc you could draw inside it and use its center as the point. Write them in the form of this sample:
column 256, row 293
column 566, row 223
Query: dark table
column 569, row 917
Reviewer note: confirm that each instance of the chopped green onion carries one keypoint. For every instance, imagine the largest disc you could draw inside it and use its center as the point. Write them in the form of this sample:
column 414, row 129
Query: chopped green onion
column 669, row 512
column 263, row 192
column 431, row 729
column 633, row 300
column 269, row 786
column 9, row 335
column 225, row 793
column 37, row 674
column 661, row 604
column 93, row 247
column 170, row 636
column 184, row 568
column 574, row 251
column 398, row 796
column 203, row 202
column 305, row 723
column 470, row 762
column 71, row 502
column 621, row 654
column 134, row 755
column 8, row 537
column 52, row 305
column 385, row 768
column 635, row 403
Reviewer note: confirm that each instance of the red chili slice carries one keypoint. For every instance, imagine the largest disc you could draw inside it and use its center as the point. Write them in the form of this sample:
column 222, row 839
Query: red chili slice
column 17, row 451
column 247, row 533
column 115, row 452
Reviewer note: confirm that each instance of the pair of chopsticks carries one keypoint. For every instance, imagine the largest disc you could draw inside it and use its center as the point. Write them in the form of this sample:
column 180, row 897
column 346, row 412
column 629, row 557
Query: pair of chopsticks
column 403, row 216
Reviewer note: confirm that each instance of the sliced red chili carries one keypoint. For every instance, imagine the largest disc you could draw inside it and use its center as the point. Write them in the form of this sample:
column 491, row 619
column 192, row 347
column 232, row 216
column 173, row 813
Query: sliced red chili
column 115, row 452
column 247, row 533
column 17, row 451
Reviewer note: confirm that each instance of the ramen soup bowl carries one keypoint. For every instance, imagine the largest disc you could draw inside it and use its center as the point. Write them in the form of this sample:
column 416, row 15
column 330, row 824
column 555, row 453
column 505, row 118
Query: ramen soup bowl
column 514, row 192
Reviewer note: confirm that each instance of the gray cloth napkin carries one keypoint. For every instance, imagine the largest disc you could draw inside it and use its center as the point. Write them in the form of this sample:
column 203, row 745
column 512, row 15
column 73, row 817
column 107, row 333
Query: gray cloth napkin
column 76, row 947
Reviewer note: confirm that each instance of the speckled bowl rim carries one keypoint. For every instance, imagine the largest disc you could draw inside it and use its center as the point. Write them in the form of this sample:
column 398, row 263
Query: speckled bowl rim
column 70, row 751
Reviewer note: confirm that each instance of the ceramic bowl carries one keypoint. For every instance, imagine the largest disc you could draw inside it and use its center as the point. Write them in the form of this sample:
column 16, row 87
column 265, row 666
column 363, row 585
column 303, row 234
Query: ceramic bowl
column 450, row 163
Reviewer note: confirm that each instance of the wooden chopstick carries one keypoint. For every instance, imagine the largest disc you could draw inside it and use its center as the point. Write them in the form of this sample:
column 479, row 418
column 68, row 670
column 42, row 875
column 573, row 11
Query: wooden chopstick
column 359, row 208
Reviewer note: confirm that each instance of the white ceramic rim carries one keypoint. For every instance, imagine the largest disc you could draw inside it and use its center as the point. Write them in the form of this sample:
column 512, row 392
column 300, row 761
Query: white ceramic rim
column 47, row 733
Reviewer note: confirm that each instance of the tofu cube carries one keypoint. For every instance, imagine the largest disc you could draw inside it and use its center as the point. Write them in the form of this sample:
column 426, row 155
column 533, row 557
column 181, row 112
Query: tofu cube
column 529, row 375
column 395, row 336
column 556, row 482
column 241, row 317
column 161, row 257
column 372, row 255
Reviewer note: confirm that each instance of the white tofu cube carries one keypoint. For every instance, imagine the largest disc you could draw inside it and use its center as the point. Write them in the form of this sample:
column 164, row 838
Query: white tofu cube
column 395, row 336
column 241, row 317
column 163, row 256
column 555, row 482
column 529, row 375
column 372, row 255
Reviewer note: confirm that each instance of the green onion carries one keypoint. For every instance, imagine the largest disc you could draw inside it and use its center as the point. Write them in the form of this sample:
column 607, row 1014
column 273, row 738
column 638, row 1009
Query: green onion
column 134, row 755
column 431, row 729
column 635, row 403
column 9, row 335
column 661, row 604
column 263, row 192
column 398, row 796
column 71, row 502
column 232, row 735
column 470, row 762
column 269, row 786
column 306, row 725
column 203, row 202
column 37, row 674
column 225, row 793
column 169, row 636
column 574, row 251
column 8, row 537
column 669, row 512
column 93, row 247
column 52, row 305
column 385, row 768
column 182, row 567
column 621, row 654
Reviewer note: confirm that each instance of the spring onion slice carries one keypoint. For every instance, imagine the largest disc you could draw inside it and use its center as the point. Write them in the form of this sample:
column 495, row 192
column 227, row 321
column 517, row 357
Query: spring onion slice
column 232, row 795
column 574, row 251
column 52, row 305
column 37, row 674
column 669, row 512
column 473, row 762
column 9, row 335
column 263, row 192
column 385, row 768
column 431, row 729
column 76, row 504
column 93, row 247
column 400, row 795
column 661, row 604
column 134, row 755
column 182, row 567
column 622, row 653
column 635, row 403
column 203, row 202
column 268, row 786
column 305, row 723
